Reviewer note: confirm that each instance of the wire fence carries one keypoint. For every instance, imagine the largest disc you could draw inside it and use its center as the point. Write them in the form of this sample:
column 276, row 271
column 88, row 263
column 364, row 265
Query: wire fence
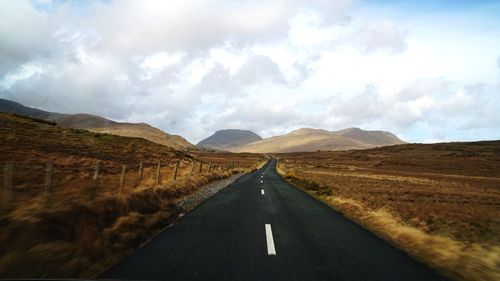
column 50, row 183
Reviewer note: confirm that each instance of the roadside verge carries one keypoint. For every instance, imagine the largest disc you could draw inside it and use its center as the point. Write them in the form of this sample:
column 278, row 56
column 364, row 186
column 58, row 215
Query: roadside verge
column 82, row 239
column 450, row 257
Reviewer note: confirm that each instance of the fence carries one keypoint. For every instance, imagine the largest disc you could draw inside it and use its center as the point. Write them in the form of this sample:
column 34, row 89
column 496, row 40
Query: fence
column 49, row 182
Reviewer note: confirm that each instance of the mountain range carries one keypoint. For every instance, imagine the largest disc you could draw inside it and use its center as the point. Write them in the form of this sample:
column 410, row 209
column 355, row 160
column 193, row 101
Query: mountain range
column 99, row 124
column 233, row 140
column 301, row 140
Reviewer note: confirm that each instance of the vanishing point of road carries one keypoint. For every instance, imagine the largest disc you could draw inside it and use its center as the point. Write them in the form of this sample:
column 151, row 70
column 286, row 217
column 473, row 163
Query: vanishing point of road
column 262, row 228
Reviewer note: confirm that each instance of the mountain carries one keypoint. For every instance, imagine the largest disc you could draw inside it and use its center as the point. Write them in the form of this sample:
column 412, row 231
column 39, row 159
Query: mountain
column 84, row 121
column 308, row 139
column 375, row 138
column 145, row 131
column 228, row 139
column 17, row 108
column 99, row 124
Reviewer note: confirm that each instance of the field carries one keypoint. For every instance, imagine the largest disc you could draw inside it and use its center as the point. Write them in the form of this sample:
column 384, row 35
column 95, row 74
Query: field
column 438, row 202
column 73, row 202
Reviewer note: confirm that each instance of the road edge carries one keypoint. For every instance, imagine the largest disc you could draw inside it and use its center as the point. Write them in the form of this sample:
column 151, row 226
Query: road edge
column 174, row 221
column 440, row 271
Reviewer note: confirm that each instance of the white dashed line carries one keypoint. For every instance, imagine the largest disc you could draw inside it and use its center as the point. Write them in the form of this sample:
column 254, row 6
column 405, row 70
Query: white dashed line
column 270, row 242
column 261, row 181
column 262, row 191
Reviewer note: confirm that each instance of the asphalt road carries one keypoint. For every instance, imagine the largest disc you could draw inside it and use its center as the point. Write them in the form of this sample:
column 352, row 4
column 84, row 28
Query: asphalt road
column 262, row 228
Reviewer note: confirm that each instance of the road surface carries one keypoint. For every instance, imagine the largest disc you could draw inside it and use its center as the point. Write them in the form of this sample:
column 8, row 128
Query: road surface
column 262, row 228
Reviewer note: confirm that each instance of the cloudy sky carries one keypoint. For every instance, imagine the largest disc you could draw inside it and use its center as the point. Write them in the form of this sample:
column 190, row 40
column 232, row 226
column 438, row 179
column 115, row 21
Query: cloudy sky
column 425, row 70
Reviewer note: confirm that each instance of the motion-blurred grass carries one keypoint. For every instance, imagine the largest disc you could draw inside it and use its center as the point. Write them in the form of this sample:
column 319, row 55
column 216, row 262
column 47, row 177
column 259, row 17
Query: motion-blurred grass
column 74, row 230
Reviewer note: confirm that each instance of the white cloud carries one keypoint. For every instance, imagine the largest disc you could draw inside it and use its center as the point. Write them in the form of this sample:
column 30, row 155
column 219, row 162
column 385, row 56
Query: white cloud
column 24, row 34
column 161, row 60
column 380, row 36
column 259, row 69
column 193, row 67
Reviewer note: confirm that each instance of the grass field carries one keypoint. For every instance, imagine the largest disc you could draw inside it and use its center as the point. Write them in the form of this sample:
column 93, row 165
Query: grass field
column 438, row 202
column 79, row 226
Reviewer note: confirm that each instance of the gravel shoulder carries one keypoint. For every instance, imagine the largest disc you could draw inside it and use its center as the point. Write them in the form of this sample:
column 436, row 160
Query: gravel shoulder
column 191, row 201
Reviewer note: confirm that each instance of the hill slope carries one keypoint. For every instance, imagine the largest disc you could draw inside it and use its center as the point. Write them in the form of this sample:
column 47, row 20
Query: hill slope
column 17, row 108
column 307, row 139
column 99, row 124
column 376, row 138
column 228, row 139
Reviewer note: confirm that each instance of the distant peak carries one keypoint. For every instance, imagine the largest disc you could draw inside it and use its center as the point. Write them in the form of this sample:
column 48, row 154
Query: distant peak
column 229, row 138
column 304, row 129
column 233, row 130
column 307, row 131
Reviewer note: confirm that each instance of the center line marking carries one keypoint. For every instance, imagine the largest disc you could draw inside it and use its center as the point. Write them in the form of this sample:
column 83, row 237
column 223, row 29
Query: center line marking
column 261, row 181
column 270, row 242
column 262, row 191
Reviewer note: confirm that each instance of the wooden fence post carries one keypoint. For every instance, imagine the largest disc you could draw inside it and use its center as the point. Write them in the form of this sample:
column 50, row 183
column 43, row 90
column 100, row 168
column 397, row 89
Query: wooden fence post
column 201, row 167
column 96, row 180
column 140, row 174
column 158, row 172
column 209, row 166
column 8, row 172
column 192, row 169
column 48, row 182
column 122, row 178
column 175, row 170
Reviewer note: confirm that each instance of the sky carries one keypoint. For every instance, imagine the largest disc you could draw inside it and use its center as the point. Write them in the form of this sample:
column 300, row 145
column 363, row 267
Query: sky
column 428, row 71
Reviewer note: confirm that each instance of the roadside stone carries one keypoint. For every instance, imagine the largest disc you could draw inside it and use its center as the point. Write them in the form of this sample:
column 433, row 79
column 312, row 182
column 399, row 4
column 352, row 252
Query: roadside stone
column 189, row 202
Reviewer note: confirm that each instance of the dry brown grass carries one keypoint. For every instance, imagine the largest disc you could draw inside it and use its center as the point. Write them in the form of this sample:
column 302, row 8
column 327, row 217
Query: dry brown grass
column 440, row 203
column 81, row 237
column 69, row 233
column 146, row 132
